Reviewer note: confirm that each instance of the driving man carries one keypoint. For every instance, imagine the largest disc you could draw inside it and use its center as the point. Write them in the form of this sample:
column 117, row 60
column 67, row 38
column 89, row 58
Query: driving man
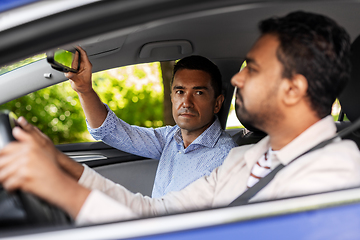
column 187, row 151
column 294, row 72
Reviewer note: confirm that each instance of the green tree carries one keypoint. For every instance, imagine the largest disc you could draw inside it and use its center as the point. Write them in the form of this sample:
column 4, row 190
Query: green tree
column 134, row 93
column 55, row 110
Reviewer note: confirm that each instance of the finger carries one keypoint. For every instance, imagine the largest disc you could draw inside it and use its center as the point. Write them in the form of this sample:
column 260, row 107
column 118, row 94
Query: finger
column 40, row 133
column 28, row 127
column 84, row 64
column 81, row 49
column 84, row 58
column 69, row 75
column 34, row 131
column 14, row 182
column 11, row 168
column 75, row 62
column 21, row 135
column 11, row 184
column 24, row 124
column 41, row 138
column 12, row 147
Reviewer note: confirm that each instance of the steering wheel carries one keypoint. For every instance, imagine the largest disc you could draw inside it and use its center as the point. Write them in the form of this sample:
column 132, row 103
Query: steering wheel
column 20, row 207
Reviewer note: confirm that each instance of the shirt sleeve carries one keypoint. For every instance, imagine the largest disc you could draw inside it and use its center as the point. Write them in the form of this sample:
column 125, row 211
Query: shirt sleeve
column 100, row 208
column 146, row 142
column 127, row 205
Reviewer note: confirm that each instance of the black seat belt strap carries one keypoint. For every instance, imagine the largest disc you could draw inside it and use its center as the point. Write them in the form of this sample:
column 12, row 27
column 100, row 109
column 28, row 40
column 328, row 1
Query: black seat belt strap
column 251, row 192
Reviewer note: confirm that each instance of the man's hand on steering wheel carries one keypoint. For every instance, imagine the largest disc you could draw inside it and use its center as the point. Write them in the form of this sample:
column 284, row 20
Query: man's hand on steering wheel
column 30, row 164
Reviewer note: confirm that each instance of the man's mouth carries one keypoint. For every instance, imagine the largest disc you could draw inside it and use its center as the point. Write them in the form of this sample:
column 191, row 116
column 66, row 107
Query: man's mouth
column 187, row 113
column 239, row 99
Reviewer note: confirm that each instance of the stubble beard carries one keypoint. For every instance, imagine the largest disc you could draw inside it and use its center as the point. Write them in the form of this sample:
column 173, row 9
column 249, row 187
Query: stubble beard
column 265, row 118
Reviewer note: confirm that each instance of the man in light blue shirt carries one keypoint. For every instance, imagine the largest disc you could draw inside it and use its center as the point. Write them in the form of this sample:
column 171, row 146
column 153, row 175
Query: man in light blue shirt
column 189, row 150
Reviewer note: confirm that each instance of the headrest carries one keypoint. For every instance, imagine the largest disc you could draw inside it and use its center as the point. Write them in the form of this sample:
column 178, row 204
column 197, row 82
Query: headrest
column 350, row 96
column 249, row 127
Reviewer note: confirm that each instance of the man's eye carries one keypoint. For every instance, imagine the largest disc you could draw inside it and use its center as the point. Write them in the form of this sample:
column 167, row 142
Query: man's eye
column 250, row 69
column 199, row 93
column 179, row 92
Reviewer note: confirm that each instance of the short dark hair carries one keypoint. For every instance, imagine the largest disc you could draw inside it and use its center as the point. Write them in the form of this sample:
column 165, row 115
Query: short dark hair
column 316, row 47
column 196, row 62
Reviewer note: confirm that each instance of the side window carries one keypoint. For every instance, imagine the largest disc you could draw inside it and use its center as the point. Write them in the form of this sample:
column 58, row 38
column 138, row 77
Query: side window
column 135, row 93
column 336, row 112
column 55, row 110
column 232, row 121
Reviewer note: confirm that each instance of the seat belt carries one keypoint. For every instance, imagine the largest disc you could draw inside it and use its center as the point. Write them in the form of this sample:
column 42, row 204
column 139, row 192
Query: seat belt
column 251, row 192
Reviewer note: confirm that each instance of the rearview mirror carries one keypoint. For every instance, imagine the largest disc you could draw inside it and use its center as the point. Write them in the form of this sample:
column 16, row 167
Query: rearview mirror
column 64, row 60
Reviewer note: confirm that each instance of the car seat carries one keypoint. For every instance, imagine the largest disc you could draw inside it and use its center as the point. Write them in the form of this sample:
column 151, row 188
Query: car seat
column 350, row 96
column 245, row 136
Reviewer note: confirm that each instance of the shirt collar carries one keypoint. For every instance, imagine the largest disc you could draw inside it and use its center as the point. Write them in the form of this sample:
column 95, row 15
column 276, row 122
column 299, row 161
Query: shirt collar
column 316, row 133
column 208, row 138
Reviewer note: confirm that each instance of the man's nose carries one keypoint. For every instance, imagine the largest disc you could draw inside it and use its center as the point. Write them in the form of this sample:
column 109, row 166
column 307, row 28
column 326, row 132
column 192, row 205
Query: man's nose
column 187, row 101
column 238, row 79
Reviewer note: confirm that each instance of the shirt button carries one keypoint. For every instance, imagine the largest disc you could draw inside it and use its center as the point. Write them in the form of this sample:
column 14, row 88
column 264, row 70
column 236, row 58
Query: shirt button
column 180, row 152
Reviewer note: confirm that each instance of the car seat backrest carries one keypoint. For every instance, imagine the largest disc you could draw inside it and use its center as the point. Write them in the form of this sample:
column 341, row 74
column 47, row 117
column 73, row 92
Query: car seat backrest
column 248, row 135
column 244, row 137
column 350, row 96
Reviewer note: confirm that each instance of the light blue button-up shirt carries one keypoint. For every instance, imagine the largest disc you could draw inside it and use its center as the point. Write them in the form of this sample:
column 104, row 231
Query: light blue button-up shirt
column 178, row 166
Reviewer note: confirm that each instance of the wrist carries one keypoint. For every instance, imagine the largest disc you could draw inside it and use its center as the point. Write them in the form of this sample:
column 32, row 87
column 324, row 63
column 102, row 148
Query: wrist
column 68, row 165
column 85, row 92
column 68, row 194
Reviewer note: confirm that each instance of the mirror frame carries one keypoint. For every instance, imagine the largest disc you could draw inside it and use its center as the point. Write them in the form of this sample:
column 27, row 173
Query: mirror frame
column 50, row 56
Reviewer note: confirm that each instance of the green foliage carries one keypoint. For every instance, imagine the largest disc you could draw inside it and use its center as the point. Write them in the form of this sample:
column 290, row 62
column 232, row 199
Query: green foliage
column 55, row 110
column 134, row 93
column 139, row 73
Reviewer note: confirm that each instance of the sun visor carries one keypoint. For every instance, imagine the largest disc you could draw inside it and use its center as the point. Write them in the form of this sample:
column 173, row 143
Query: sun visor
column 102, row 46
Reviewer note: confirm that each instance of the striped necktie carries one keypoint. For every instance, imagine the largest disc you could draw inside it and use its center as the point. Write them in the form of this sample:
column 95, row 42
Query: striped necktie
column 260, row 169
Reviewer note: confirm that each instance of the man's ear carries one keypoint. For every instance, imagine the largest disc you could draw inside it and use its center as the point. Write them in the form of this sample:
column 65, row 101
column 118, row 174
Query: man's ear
column 294, row 89
column 218, row 103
